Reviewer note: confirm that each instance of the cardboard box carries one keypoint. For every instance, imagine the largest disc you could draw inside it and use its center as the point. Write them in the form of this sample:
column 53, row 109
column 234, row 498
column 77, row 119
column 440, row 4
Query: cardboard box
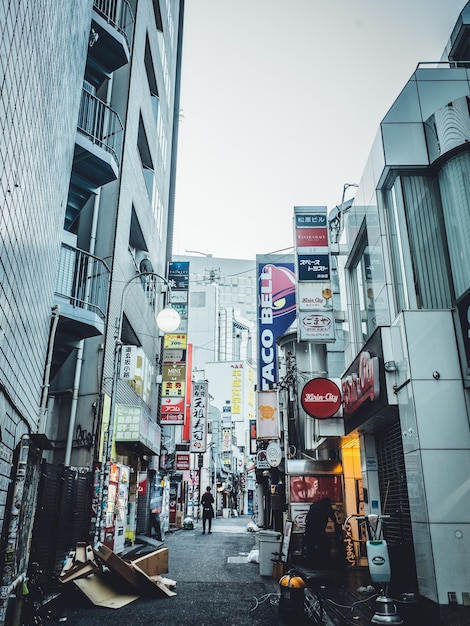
column 101, row 593
column 142, row 573
column 152, row 564
column 118, row 566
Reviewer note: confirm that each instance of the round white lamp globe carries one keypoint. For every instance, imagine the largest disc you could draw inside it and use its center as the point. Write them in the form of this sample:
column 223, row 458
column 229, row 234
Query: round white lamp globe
column 168, row 319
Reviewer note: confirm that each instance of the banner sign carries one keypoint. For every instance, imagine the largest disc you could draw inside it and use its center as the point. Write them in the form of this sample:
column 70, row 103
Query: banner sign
column 174, row 371
column 316, row 326
column 178, row 275
column 313, row 267
column 175, row 340
column 276, row 313
column 182, row 461
column 199, row 403
column 175, row 348
column 268, row 424
column 314, row 296
column 314, row 289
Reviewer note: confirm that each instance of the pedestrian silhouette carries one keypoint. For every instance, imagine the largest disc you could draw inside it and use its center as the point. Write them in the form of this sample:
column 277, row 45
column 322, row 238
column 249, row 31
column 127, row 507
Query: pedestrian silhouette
column 316, row 544
column 207, row 502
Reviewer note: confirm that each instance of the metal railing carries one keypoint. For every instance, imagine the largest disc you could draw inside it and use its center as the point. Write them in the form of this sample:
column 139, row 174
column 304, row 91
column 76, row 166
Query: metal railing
column 101, row 124
column 119, row 15
column 83, row 280
column 439, row 65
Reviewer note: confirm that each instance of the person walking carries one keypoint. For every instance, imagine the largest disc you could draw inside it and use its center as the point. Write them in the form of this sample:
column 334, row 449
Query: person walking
column 207, row 502
column 316, row 545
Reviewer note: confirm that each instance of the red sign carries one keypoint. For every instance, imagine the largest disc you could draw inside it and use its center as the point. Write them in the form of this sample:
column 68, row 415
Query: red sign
column 312, row 237
column 312, row 488
column 321, row 398
column 172, row 405
column 363, row 385
column 183, row 461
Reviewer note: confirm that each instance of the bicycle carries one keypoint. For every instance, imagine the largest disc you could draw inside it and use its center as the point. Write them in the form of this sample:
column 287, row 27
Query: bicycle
column 37, row 608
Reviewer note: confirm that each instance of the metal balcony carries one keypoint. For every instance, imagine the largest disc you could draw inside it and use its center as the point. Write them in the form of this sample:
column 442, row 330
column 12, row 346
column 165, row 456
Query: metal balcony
column 98, row 151
column 110, row 39
column 82, row 289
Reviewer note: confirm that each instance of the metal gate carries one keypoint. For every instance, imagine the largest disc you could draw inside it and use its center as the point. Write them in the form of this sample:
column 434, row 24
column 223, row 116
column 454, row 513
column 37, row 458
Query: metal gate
column 395, row 502
column 62, row 518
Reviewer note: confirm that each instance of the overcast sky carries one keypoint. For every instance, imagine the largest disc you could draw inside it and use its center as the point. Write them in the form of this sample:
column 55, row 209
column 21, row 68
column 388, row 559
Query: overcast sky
column 280, row 103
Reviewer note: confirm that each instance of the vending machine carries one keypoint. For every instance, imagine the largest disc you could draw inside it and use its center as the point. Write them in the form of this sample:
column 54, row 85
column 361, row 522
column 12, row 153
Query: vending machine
column 122, row 496
column 116, row 507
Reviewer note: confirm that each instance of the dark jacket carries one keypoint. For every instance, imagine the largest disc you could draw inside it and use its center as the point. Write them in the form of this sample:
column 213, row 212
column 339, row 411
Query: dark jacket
column 318, row 516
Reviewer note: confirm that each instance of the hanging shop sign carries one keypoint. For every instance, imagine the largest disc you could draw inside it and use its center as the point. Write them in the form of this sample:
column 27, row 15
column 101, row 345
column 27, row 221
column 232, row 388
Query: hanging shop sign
column 313, row 267
column 316, row 326
column 321, row 398
column 363, row 385
column 198, row 442
column 276, row 312
column 268, row 425
column 274, row 454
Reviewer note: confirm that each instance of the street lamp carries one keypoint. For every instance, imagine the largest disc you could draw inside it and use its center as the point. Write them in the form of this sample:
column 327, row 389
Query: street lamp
column 336, row 222
column 168, row 320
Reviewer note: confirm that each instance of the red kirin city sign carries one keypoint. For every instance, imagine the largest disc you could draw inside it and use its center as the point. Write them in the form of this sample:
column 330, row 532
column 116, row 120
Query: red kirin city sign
column 321, row 398
column 362, row 385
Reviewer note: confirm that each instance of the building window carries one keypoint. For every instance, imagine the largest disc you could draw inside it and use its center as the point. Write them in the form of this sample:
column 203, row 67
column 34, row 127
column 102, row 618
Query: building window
column 360, row 275
column 454, row 181
column 197, row 299
column 427, row 242
column 145, row 158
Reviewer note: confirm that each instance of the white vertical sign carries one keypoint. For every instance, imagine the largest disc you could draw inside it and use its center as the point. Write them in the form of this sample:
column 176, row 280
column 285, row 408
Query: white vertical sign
column 198, row 442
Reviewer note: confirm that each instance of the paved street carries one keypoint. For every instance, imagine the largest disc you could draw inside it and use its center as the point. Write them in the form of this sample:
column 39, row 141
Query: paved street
column 215, row 585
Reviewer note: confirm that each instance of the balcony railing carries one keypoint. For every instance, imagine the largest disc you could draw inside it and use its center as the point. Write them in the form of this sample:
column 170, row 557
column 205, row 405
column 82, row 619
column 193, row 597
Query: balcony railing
column 100, row 124
column 118, row 14
column 83, row 280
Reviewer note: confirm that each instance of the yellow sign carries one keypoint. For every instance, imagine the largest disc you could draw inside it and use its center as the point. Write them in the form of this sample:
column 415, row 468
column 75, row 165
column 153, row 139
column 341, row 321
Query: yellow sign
column 175, row 340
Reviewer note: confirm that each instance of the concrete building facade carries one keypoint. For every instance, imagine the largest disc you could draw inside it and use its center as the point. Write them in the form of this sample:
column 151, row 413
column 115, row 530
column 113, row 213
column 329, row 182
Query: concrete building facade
column 89, row 112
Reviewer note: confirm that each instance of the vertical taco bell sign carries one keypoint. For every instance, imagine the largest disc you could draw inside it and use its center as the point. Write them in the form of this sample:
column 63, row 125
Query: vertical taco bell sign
column 276, row 312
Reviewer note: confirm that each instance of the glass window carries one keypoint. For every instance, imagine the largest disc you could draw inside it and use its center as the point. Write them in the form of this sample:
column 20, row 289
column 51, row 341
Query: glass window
column 426, row 236
column 359, row 275
column 454, row 180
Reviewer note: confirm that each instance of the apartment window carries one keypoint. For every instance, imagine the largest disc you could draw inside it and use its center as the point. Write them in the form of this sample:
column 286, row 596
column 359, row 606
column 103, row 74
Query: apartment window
column 145, row 158
column 158, row 15
column 152, row 80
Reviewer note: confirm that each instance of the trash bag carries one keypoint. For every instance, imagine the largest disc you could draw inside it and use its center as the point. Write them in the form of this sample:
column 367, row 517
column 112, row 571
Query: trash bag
column 253, row 556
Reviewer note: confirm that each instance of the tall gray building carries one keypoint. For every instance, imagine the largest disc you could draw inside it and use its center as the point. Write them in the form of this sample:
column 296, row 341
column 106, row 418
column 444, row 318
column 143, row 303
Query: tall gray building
column 89, row 112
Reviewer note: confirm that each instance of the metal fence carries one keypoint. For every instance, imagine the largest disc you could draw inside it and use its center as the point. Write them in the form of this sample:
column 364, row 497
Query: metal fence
column 101, row 124
column 83, row 280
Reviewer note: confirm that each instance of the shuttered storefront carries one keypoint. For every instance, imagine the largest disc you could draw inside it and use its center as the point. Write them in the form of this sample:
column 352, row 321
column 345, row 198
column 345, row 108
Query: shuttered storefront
column 394, row 502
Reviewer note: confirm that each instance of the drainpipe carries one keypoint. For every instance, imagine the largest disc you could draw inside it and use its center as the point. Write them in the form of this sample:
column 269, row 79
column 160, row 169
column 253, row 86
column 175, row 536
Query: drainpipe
column 47, row 372
column 79, row 362
column 81, row 345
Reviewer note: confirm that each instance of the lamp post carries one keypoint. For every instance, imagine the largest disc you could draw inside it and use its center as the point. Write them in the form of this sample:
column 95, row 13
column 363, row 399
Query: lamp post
column 168, row 320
